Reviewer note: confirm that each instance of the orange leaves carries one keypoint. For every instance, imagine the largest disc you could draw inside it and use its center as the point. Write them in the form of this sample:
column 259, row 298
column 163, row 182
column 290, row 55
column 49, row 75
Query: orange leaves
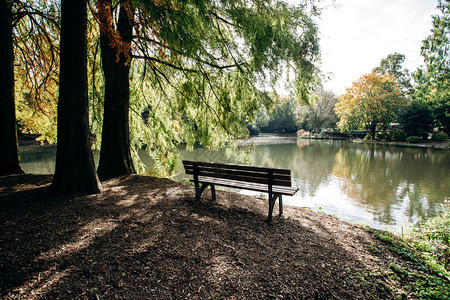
column 167, row 4
column 373, row 98
column 105, row 19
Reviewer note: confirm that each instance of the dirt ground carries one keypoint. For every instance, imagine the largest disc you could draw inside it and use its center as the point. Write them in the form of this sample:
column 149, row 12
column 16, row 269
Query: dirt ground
column 143, row 238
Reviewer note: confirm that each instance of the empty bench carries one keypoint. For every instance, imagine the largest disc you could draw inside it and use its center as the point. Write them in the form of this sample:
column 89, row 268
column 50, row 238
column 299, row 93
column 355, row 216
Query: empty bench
column 274, row 181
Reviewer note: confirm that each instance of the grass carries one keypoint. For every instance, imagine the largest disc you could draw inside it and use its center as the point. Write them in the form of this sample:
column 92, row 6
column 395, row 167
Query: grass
column 418, row 275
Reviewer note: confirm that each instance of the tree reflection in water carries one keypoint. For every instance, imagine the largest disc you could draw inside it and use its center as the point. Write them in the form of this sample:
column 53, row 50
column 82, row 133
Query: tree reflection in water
column 374, row 184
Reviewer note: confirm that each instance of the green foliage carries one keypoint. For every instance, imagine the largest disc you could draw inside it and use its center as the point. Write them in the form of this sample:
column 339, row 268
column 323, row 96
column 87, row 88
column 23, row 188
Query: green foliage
column 383, row 136
column 439, row 137
column 373, row 249
column 196, row 69
column 428, row 279
column 392, row 65
column 433, row 82
column 261, row 121
column 368, row 137
column 403, row 251
column 36, row 43
column 320, row 135
column 282, row 119
column 187, row 182
column 413, row 139
column 253, row 129
column 384, row 236
column 416, row 120
column 433, row 236
column 204, row 64
column 441, row 115
column 319, row 113
column 398, row 270
column 398, row 136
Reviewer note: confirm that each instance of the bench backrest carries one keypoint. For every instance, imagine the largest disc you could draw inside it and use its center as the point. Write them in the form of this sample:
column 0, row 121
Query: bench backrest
column 271, row 176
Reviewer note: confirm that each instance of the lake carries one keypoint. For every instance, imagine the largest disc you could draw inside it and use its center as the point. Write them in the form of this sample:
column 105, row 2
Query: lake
column 380, row 186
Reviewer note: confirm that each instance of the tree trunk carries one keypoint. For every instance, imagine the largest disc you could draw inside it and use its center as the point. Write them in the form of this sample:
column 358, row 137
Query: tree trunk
column 115, row 156
column 75, row 169
column 372, row 128
column 318, row 131
column 9, row 158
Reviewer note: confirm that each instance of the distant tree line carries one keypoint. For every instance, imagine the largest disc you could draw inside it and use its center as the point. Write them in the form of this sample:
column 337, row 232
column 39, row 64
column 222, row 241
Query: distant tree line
column 288, row 116
column 390, row 103
column 393, row 104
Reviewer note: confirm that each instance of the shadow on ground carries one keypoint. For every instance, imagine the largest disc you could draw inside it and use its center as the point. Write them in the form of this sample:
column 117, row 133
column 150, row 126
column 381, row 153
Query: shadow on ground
column 142, row 238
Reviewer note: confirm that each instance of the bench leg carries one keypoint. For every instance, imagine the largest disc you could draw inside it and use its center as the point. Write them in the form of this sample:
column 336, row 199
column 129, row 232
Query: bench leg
column 213, row 192
column 199, row 190
column 272, row 200
column 280, row 205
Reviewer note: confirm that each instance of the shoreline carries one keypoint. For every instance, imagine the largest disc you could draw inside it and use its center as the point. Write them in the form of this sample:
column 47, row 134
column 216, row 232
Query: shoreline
column 431, row 145
column 287, row 138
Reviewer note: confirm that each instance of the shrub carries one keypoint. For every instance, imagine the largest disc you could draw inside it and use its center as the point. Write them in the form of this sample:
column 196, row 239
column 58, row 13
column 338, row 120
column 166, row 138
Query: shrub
column 383, row 136
column 434, row 235
column 368, row 137
column 398, row 136
column 303, row 133
column 253, row 129
column 416, row 120
column 413, row 139
column 439, row 136
column 321, row 135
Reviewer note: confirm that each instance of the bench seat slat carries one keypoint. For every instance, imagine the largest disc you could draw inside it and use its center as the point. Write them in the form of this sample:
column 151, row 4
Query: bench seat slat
column 283, row 190
column 243, row 178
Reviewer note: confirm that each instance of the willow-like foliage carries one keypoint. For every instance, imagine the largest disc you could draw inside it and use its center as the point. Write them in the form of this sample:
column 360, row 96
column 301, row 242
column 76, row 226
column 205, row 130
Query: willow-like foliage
column 163, row 117
column 36, row 26
column 202, row 69
column 36, row 46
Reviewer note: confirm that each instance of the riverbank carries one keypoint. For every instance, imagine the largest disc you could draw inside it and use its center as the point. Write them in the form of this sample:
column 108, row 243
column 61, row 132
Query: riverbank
column 292, row 138
column 429, row 145
column 142, row 238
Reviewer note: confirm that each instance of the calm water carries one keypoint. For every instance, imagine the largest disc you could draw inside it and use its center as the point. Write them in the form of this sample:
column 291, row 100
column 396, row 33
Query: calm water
column 377, row 185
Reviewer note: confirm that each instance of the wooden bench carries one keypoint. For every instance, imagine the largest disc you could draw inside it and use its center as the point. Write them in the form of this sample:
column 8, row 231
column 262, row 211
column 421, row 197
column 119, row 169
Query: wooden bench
column 274, row 181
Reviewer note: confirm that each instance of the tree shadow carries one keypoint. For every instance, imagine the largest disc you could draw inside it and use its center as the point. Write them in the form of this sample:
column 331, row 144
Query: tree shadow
column 142, row 238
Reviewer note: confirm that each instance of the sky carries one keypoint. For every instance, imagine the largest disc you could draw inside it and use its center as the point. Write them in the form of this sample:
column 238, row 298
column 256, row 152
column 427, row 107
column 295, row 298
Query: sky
column 356, row 34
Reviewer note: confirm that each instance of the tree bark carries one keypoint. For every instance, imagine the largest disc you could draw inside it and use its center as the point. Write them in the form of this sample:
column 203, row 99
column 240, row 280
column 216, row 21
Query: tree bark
column 115, row 156
column 9, row 158
column 75, row 169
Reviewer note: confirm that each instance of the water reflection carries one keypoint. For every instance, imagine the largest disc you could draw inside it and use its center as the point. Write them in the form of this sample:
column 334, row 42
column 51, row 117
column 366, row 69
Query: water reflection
column 38, row 159
column 372, row 184
column 393, row 181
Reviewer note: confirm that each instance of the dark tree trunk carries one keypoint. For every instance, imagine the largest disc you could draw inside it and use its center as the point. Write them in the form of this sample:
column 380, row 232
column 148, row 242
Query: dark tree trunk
column 372, row 128
column 75, row 169
column 9, row 157
column 115, row 156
